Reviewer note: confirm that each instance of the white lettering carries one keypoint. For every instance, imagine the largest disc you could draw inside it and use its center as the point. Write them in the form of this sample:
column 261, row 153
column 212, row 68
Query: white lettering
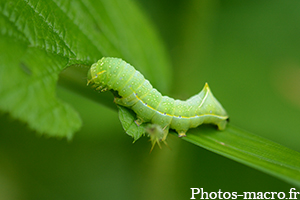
column 202, row 193
column 219, row 194
column 213, row 193
column 283, row 195
column 265, row 195
column 291, row 192
column 193, row 192
column 273, row 194
column 245, row 195
column 260, row 195
column 227, row 193
column 234, row 195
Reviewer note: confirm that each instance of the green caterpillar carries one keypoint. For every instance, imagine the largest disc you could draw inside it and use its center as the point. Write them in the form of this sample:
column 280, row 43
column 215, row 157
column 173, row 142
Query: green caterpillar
column 136, row 93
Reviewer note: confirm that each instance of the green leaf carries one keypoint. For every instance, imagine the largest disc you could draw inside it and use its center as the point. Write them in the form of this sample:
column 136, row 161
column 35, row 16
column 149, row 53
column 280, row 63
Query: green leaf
column 28, row 92
column 127, row 118
column 39, row 39
column 249, row 149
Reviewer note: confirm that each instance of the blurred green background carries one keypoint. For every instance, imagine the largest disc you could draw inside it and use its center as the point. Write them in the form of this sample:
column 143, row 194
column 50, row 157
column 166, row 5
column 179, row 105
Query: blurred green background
column 248, row 52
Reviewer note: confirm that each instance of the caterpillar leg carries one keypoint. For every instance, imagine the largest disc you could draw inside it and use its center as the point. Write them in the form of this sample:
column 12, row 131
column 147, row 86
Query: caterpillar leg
column 101, row 88
column 128, row 101
column 222, row 125
column 181, row 133
column 118, row 101
column 138, row 121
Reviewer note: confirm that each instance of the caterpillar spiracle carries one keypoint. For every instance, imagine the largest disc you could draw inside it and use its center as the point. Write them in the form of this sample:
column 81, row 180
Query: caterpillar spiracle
column 136, row 93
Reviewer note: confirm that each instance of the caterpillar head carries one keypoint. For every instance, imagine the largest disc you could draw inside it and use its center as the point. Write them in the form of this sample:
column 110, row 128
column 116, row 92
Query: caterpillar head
column 97, row 77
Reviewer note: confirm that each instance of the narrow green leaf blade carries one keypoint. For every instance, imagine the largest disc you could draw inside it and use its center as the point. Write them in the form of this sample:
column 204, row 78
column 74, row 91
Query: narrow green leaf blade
column 249, row 149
